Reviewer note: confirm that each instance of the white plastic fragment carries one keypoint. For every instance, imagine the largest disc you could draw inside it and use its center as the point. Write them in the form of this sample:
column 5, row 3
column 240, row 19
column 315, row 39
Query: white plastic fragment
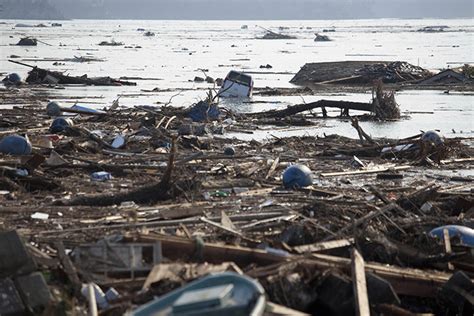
column 39, row 215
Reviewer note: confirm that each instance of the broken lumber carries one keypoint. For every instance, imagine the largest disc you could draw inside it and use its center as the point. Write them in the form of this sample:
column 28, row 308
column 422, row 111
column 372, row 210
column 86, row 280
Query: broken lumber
column 325, row 245
column 226, row 229
column 359, row 284
column 177, row 248
column 376, row 170
column 406, row 281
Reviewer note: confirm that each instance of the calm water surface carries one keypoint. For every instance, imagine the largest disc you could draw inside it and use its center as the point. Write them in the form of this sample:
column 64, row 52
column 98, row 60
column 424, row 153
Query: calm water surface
column 181, row 49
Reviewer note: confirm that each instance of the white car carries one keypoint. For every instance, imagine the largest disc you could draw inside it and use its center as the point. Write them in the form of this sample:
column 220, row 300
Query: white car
column 236, row 85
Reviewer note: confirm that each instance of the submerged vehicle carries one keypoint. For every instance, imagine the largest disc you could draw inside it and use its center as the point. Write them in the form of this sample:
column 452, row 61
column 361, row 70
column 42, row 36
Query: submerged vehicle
column 236, row 84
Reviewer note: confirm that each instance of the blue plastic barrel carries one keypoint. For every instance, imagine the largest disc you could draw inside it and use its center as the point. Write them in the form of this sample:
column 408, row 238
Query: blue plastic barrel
column 297, row 176
column 432, row 137
column 60, row 124
column 15, row 145
column 229, row 151
column 12, row 78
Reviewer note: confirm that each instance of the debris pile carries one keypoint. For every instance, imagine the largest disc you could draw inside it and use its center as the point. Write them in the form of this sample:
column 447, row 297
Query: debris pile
column 321, row 38
column 111, row 43
column 274, row 35
column 42, row 76
column 121, row 211
column 385, row 106
column 359, row 72
column 393, row 72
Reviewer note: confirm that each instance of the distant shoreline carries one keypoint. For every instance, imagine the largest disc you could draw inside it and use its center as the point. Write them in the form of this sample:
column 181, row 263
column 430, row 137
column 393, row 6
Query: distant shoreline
column 165, row 19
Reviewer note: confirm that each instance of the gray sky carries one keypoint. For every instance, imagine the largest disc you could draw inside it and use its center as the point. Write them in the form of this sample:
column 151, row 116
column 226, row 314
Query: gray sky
column 245, row 9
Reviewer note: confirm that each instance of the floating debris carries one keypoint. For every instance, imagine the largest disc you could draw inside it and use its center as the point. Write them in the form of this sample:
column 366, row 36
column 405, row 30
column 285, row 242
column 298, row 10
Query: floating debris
column 27, row 41
column 111, row 43
column 273, row 35
column 359, row 72
column 321, row 38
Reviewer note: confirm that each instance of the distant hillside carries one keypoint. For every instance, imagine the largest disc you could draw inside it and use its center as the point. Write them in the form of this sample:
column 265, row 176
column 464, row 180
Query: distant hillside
column 263, row 9
column 29, row 10
column 235, row 9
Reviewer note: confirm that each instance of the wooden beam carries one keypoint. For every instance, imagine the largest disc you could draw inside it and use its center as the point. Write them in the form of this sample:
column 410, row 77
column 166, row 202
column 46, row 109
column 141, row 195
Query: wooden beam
column 359, row 284
column 447, row 246
column 325, row 245
column 227, row 229
column 405, row 281
column 177, row 248
column 368, row 171
column 273, row 167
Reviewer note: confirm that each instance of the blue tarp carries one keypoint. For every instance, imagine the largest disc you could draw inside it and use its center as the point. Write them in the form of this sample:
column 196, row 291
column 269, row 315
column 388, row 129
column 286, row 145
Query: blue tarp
column 202, row 111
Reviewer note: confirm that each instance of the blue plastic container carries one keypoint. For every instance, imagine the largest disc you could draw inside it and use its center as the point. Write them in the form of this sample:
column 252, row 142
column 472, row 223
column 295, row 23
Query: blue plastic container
column 12, row 78
column 229, row 151
column 101, row 176
column 53, row 108
column 15, row 145
column 432, row 137
column 60, row 124
column 297, row 176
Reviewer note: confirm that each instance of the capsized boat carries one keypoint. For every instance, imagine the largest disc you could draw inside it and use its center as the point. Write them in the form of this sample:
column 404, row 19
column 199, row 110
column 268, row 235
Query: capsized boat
column 225, row 293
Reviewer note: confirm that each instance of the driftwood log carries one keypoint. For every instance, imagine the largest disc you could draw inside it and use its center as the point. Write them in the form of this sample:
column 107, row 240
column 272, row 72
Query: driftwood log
column 295, row 109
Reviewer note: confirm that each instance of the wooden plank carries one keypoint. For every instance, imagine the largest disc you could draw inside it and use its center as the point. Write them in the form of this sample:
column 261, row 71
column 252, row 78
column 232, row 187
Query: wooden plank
column 448, row 161
column 176, row 248
column 447, row 241
column 253, row 224
column 405, row 281
column 357, row 172
column 359, row 284
column 273, row 167
column 229, row 230
column 447, row 246
column 185, row 230
column 158, row 223
column 325, row 245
